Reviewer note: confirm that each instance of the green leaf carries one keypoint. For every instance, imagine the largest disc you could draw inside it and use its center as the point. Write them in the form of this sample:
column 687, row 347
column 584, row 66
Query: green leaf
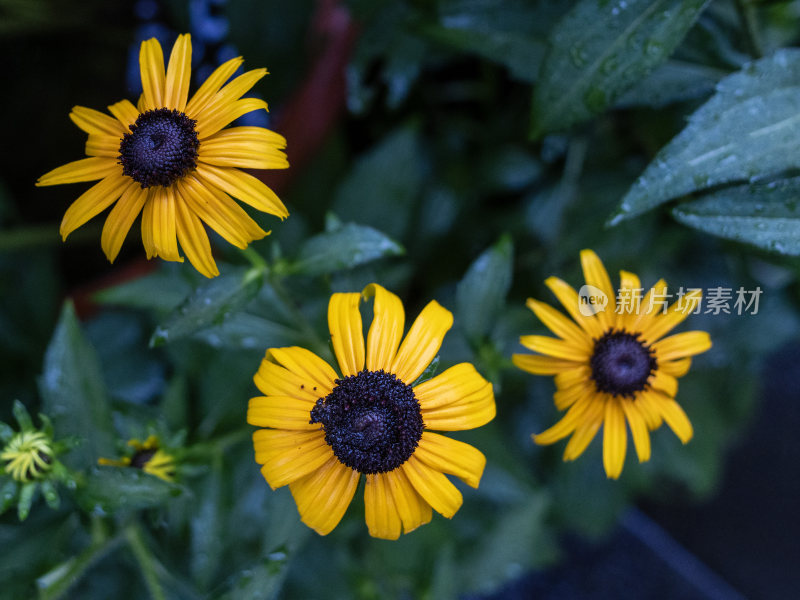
column 6, row 433
column 765, row 215
column 161, row 290
column 8, row 494
column 261, row 581
column 674, row 81
column 480, row 295
column 112, row 489
column 50, row 494
column 26, row 495
column 383, row 186
column 345, row 247
column 750, row 128
column 22, row 416
column 246, row 331
column 600, row 49
column 210, row 304
column 74, row 394
column 207, row 528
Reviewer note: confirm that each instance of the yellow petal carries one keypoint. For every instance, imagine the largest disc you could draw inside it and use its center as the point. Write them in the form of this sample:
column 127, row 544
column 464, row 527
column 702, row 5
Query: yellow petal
column 560, row 325
column 125, row 112
column 682, row 345
column 663, row 382
column 580, row 374
column 567, row 424
column 347, row 336
column 647, row 401
column 165, row 236
column 281, row 412
column 274, row 379
column 311, row 371
column 380, row 513
column 386, row 330
column 94, row 122
column 615, row 439
column 412, row 508
column 595, row 274
column 120, row 220
column 554, row 347
column 179, row 72
column 246, row 148
column 451, row 456
column 211, row 86
column 147, row 224
column 102, row 145
column 286, row 456
column 661, row 324
column 94, row 201
column 433, row 486
column 228, row 95
column 456, row 399
column 542, row 365
column 638, row 425
column 322, row 497
column 676, row 368
column 649, row 308
column 151, row 65
column 85, row 169
column 566, row 397
column 569, row 299
column 422, row 342
column 676, row 418
column 630, row 298
column 220, row 212
column 243, row 187
column 585, row 432
column 209, row 125
column 193, row 239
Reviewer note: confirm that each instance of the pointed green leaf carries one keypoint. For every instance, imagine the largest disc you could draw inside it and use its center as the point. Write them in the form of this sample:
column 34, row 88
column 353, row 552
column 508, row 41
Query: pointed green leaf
column 22, row 416
column 210, row 304
column 765, row 215
column 750, row 128
column 480, row 295
column 50, row 494
column 8, row 494
column 26, row 495
column 599, row 50
column 112, row 489
column 74, row 393
column 6, row 433
column 162, row 290
column 261, row 581
column 383, row 186
column 243, row 330
column 346, row 247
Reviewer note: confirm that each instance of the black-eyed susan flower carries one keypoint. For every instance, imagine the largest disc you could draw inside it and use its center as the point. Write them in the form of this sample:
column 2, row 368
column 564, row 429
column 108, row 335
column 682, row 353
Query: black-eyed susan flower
column 147, row 456
column 175, row 161
column 29, row 459
column 612, row 363
column 324, row 429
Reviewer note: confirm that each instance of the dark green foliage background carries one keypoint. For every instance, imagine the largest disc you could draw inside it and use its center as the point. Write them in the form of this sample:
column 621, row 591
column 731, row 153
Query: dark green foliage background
column 485, row 143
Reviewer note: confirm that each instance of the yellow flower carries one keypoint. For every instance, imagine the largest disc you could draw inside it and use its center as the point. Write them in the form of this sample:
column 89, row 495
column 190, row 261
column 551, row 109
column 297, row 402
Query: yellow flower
column 175, row 162
column 325, row 430
column 28, row 455
column 147, row 456
column 615, row 364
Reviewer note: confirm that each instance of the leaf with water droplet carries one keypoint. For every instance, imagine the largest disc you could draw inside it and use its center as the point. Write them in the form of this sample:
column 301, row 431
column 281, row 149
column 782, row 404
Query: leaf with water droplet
column 344, row 248
column 749, row 129
column 209, row 304
column 74, row 394
column 480, row 295
column 765, row 215
column 598, row 51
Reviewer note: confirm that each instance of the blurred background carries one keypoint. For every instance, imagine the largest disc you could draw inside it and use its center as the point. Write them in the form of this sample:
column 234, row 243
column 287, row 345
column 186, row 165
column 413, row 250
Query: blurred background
column 412, row 118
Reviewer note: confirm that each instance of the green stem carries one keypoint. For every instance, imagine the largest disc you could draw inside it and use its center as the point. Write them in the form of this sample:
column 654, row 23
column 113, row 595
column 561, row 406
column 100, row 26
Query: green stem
column 320, row 346
column 255, row 259
column 56, row 582
column 747, row 16
column 147, row 564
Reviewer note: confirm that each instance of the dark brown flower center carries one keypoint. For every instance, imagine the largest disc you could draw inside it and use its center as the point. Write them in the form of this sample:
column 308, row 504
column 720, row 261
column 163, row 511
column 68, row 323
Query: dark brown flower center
column 372, row 421
column 621, row 363
column 160, row 148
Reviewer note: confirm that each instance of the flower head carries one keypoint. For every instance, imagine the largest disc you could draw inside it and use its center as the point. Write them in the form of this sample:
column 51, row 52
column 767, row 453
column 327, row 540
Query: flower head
column 323, row 429
column 29, row 457
column 147, row 456
column 175, row 161
column 612, row 363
